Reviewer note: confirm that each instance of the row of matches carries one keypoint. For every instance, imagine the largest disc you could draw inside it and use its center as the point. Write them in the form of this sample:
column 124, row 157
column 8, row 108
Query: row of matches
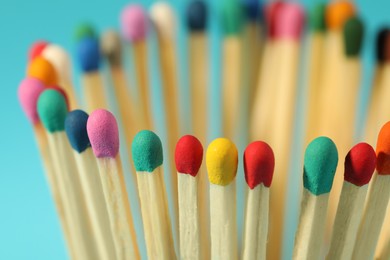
column 90, row 192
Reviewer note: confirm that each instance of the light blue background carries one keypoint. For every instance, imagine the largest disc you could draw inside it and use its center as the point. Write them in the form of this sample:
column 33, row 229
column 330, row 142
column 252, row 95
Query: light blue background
column 29, row 227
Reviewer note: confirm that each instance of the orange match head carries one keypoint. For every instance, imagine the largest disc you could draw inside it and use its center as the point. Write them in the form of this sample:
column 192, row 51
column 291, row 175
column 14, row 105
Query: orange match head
column 337, row 13
column 41, row 69
column 383, row 150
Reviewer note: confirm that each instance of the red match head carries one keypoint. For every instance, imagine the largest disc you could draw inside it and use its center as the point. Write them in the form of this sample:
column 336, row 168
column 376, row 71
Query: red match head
column 259, row 163
column 188, row 155
column 36, row 49
column 383, row 150
column 360, row 164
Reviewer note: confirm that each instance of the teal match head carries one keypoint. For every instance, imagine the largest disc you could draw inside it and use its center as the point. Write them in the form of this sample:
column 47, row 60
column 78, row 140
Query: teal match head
column 85, row 30
column 232, row 17
column 317, row 18
column 353, row 36
column 147, row 151
column 320, row 164
column 52, row 110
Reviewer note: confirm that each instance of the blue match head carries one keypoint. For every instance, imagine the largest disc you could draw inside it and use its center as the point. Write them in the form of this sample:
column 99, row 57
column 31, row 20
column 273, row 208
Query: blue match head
column 320, row 164
column 197, row 16
column 76, row 130
column 252, row 9
column 88, row 54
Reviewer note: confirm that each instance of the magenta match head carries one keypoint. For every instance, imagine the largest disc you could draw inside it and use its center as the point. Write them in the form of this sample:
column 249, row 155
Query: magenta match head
column 289, row 21
column 103, row 134
column 134, row 23
column 259, row 163
column 188, row 155
column 29, row 91
column 360, row 164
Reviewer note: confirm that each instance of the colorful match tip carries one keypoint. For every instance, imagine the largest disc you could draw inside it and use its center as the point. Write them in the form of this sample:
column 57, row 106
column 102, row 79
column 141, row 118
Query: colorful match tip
column 85, row 30
column 59, row 58
column 42, row 69
column 147, row 151
column 259, row 164
column 63, row 93
column 232, row 15
column 320, row 164
column 28, row 93
column 290, row 21
column 52, row 110
column 383, row 150
column 103, row 134
column 337, row 13
column 88, row 52
column 76, row 130
column 36, row 49
column 317, row 18
column 353, row 36
column 134, row 23
column 253, row 9
column 360, row 164
column 271, row 12
column 221, row 161
column 383, row 45
column 197, row 16
column 163, row 18
column 112, row 47
column 188, row 155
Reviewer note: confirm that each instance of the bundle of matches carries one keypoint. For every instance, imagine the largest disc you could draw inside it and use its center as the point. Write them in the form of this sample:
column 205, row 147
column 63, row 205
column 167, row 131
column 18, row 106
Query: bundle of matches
column 192, row 212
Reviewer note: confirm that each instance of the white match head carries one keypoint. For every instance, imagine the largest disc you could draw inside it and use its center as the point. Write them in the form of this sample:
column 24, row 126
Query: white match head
column 60, row 60
column 163, row 18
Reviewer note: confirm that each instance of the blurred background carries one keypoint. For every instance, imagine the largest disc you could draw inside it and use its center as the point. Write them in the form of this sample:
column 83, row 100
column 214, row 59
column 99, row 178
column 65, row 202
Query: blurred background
column 29, row 227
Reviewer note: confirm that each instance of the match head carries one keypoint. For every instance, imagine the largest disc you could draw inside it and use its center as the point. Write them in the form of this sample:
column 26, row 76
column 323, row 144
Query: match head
column 134, row 23
column 112, row 47
column 360, row 164
column 383, row 150
column 103, row 134
column 320, row 164
column 253, row 9
column 42, row 69
column 88, row 52
column 353, row 36
column 271, row 11
column 63, row 93
column 317, row 18
column 163, row 18
column 188, row 155
column 289, row 21
column 147, row 151
column 29, row 91
column 85, row 30
column 259, row 164
column 197, row 16
column 36, row 49
column 231, row 14
column 221, row 161
column 52, row 110
column 76, row 130
column 337, row 13
column 60, row 59
column 383, row 45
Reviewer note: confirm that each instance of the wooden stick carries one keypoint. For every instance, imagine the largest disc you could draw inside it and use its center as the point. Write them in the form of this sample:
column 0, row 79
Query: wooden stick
column 103, row 133
column 94, row 95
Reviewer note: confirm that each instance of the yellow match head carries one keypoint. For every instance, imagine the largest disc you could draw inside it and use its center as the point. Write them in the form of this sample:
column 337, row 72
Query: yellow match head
column 221, row 161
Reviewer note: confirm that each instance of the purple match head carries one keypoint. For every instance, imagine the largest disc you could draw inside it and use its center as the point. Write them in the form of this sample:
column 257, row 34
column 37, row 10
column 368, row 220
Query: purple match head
column 103, row 134
column 28, row 93
column 134, row 23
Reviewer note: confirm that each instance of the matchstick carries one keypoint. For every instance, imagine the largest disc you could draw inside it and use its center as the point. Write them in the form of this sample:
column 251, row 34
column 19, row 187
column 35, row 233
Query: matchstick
column 359, row 166
column 76, row 130
column 52, row 110
column 319, row 168
column 103, row 134
column 259, row 163
column 188, row 159
column 376, row 201
column 221, row 162
column 42, row 69
column 148, row 159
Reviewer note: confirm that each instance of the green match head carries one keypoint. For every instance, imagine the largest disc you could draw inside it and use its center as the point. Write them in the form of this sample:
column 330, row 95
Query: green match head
column 320, row 164
column 232, row 17
column 52, row 110
column 147, row 151
column 353, row 36
column 317, row 18
column 85, row 30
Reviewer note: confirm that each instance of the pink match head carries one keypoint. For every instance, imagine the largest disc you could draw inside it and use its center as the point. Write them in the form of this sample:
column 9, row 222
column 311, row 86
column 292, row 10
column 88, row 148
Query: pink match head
column 289, row 21
column 28, row 93
column 360, row 164
column 134, row 23
column 103, row 134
